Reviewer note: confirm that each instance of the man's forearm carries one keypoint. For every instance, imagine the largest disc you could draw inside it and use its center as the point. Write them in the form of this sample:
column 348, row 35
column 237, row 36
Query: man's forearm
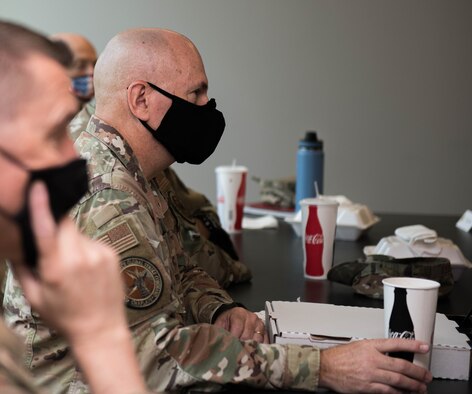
column 204, row 352
column 203, row 295
column 109, row 363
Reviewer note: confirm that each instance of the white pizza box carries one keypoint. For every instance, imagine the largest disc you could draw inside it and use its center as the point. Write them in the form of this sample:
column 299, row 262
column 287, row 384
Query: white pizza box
column 326, row 325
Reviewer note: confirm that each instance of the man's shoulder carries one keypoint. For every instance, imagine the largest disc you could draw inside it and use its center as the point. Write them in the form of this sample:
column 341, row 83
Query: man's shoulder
column 110, row 164
column 92, row 149
column 113, row 188
column 107, row 191
column 104, row 168
column 79, row 123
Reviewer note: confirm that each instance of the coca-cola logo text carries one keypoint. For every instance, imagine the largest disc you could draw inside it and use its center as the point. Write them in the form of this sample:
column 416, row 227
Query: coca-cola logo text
column 401, row 335
column 314, row 239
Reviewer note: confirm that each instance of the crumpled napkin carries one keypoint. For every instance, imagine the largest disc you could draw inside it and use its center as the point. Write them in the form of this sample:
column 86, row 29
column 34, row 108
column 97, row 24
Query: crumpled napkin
column 261, row 222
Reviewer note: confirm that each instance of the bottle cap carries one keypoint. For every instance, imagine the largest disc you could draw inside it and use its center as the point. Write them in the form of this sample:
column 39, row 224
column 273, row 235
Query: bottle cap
column 311, row 141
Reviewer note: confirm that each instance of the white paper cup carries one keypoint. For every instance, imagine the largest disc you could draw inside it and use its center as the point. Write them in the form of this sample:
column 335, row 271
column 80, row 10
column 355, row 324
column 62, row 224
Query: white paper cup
column 230, row 194
column 318, row 231
column 410, row 312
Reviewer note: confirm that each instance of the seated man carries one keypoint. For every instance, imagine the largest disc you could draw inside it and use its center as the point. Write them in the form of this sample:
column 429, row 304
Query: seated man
column 84, row 57
column 36, row 158
column 205, row 241
column 153, row 109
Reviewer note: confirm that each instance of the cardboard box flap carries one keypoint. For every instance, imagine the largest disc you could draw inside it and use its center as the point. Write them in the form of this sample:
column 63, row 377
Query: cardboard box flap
column 446, row 333
column 296, row 318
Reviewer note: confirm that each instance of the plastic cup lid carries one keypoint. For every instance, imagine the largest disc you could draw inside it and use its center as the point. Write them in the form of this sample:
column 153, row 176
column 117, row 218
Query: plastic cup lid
column 411, row 283
column 231, row 168
column 318, row 201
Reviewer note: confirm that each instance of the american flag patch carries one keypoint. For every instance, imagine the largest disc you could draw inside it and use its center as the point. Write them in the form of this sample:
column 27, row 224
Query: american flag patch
column 120, row 238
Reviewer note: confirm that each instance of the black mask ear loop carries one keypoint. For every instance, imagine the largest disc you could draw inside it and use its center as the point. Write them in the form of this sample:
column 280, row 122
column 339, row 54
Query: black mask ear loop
column 163, row 92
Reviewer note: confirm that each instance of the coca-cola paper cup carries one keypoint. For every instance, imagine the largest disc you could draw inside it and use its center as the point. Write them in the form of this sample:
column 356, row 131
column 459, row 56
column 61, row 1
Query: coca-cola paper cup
column 410, row 313
column 318, row 230
column 230, row 193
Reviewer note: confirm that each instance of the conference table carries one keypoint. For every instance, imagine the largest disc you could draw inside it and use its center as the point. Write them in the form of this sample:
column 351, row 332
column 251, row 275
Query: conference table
column 275, row 257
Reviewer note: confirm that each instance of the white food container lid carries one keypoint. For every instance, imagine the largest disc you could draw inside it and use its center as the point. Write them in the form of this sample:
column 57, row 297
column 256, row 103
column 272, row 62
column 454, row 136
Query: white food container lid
column 427, row 246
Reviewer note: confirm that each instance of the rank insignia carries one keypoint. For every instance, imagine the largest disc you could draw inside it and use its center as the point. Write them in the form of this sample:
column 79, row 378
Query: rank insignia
column 143, row 282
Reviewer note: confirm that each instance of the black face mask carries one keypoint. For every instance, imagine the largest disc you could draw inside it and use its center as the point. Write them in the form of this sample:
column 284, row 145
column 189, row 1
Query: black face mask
column 189, row 132
column 65, row 185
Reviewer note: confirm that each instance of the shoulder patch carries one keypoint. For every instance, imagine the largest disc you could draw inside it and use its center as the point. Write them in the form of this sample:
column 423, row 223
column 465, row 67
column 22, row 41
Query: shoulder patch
column 143, row 282
column 120, row 238
column 105, row 214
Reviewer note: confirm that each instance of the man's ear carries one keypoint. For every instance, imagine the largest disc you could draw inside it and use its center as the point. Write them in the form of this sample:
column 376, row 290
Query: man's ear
column 138, row 102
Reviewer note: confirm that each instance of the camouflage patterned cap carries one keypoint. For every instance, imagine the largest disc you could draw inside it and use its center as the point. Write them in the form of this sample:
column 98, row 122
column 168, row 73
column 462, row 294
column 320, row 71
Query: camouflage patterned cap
column 279, row 192
column 365, row 274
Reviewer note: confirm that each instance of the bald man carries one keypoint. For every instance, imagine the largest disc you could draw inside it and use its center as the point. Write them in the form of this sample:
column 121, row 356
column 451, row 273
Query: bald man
column 152, row 110
column 204, row 239
column 206, row 242
column 83, row 62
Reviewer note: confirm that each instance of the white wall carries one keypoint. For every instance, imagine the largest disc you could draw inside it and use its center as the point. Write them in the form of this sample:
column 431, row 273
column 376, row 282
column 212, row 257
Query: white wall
column 387, row 84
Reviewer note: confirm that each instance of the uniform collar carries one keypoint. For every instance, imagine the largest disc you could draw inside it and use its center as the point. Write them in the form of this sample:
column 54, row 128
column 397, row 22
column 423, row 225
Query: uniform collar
column 114, row 141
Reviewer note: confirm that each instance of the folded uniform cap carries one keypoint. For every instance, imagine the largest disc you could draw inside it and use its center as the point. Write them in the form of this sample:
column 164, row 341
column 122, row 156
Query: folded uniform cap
column 365, row 274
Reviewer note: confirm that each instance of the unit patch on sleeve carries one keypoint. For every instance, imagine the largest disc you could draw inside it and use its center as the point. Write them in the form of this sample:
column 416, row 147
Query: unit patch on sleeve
column 143, row 282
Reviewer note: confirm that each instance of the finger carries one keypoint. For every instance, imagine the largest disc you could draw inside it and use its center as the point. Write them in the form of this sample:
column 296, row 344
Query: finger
column 237, row 327
column 266, row 337
column 253, row 326
column 258, row 337
column 260, row 334
column 406, row 345
column 400, row 381
column 42, row 222
column 406, row 368
column 382, row 388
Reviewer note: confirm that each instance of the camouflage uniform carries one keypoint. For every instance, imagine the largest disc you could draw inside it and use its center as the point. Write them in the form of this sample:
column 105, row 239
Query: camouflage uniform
column 80, row 121
column 3, row 277
column 14, row 379
column 208, row 255
column 165, row 292
column 189, row 204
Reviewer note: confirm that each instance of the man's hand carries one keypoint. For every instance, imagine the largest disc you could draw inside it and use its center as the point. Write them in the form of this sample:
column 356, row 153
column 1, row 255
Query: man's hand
column 243, row 324
column 363, row 367
column 78, row 288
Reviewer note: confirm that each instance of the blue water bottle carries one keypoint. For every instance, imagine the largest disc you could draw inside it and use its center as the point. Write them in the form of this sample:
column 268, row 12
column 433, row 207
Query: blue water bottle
column 310, row 163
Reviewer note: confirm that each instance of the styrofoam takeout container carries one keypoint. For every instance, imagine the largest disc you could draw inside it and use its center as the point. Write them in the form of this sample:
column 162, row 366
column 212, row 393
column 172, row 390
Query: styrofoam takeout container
column 352, row 220
column 399, row 248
